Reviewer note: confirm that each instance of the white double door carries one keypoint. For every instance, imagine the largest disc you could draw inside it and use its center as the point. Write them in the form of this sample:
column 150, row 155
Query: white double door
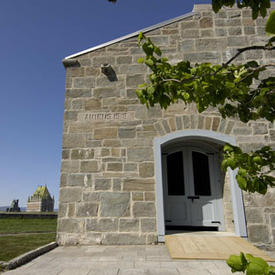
column 192, row 191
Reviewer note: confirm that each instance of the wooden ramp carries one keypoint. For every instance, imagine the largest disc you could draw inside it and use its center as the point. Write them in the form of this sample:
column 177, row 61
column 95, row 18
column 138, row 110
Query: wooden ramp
column 209, row 247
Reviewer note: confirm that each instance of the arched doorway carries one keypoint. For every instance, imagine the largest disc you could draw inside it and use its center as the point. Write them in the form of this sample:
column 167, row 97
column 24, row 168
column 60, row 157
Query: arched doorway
column 193, row 198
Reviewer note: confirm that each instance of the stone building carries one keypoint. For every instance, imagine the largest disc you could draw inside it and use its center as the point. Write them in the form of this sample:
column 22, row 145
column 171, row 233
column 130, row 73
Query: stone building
column 129, row 174
column 40, row 201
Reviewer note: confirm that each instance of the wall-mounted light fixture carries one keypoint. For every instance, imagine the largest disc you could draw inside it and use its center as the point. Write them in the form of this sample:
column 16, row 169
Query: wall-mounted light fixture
column 109, row 72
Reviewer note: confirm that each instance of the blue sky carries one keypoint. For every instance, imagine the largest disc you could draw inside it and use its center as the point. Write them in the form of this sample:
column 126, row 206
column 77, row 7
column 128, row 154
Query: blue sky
column 35, row 36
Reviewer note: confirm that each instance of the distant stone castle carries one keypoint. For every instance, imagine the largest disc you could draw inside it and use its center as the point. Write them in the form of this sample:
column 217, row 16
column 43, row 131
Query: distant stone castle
column 40, row 201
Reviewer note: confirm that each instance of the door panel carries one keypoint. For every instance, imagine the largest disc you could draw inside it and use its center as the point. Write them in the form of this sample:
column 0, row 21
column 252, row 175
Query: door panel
column 190, row 191
column 175, row 189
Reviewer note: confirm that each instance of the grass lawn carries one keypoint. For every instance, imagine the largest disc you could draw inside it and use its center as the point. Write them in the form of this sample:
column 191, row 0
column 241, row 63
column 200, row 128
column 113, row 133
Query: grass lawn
column 13, row 246
column 21, row 225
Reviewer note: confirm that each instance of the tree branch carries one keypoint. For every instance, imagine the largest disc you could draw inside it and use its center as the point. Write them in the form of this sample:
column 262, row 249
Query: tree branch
column 240, row 51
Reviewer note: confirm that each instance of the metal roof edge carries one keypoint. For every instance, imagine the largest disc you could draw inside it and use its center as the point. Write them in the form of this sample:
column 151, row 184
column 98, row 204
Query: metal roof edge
column 156, row 26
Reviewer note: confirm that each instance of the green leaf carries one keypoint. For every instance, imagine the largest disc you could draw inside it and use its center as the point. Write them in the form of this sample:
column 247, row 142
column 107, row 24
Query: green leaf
column 241, row 182
column 270, row 24
column 236, row 263
column 149, row 62
column 140, row 60
column 140, row 36
column 257, row 266
column 271, row 269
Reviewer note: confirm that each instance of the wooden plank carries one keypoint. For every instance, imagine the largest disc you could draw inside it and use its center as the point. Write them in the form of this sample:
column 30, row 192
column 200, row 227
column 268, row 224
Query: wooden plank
column 190, row 246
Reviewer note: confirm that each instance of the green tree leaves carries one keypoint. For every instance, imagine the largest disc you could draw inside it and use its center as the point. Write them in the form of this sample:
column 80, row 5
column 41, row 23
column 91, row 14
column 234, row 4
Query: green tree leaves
column 249, row 264
column 254, row 168
column 257, row 6
column 227, row 87
column 230, row 88
column 270, row 24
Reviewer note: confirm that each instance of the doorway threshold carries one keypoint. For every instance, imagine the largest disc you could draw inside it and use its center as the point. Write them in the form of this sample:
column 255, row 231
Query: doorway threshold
column 200, row 233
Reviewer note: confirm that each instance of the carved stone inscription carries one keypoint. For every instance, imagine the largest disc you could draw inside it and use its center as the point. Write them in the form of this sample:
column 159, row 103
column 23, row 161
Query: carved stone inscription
column 106, row 116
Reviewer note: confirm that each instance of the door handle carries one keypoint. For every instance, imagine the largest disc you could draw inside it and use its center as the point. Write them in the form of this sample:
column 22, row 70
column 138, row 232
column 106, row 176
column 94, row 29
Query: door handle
column 193, row 198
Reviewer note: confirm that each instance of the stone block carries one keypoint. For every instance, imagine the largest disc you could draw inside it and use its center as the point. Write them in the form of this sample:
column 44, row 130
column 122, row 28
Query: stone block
column 148, row 225
column 146, row 169
column 102, row 184
column 130, row 167
column 92, row 104
column 115, row 152
column 83, row 82
column 65, row 154
column 106, row 92
column 206, row 22
column 73, row 140
column 137, row 196
column 75, row 71
column 190, row 33
column 254, row 215
column 259, row 128
column 144, row 209
column 138, row 185
column 89, row 166
column 132, row 69
column 62, row 210
column 70, row 166
column 77, row 104
column 210, row 43
column 160, row 40
column 227, row 22
column 71, row 210
column 82, row 154
column 221, row 32
column 69, row 225
column 105, row 133
column 128, row 225
column 91, row 196
column 117, row 184
column 124, row 59
column 79, row 180
column 140, row 154
column 150, row 196
column 112, row 143
column 105, row 152
column 134, row 80
column 203, row 56
column 258, row 233
column 123, row 239
column 99, row 60
column 151, row 238
column 92, row 71
column 70, row 115
column 237, row 41
column 235, row 31
column 115, row 204
column 207, row 33
column 272, row 135
column 86, row 209
column 189, row 24
column 127, row 132
column 75, row 93
column 216, row 123
column 102, row 225
column 187, row 45
column 114, row 166
column 242, row 131
column 249, row 30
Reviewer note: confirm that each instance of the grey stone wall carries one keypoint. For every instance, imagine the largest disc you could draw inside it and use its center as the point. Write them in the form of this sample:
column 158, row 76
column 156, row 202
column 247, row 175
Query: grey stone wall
column 107, row 188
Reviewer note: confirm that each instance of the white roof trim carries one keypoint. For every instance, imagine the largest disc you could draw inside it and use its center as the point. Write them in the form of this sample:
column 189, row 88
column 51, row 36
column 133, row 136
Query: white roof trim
column 159, row 25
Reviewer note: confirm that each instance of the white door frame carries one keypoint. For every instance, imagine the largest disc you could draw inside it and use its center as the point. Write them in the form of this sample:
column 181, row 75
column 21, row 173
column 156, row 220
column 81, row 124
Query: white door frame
column 184, row 135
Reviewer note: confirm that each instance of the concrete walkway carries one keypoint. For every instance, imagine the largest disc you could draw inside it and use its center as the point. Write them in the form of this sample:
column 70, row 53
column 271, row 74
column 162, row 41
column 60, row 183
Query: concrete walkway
column 117, row 260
